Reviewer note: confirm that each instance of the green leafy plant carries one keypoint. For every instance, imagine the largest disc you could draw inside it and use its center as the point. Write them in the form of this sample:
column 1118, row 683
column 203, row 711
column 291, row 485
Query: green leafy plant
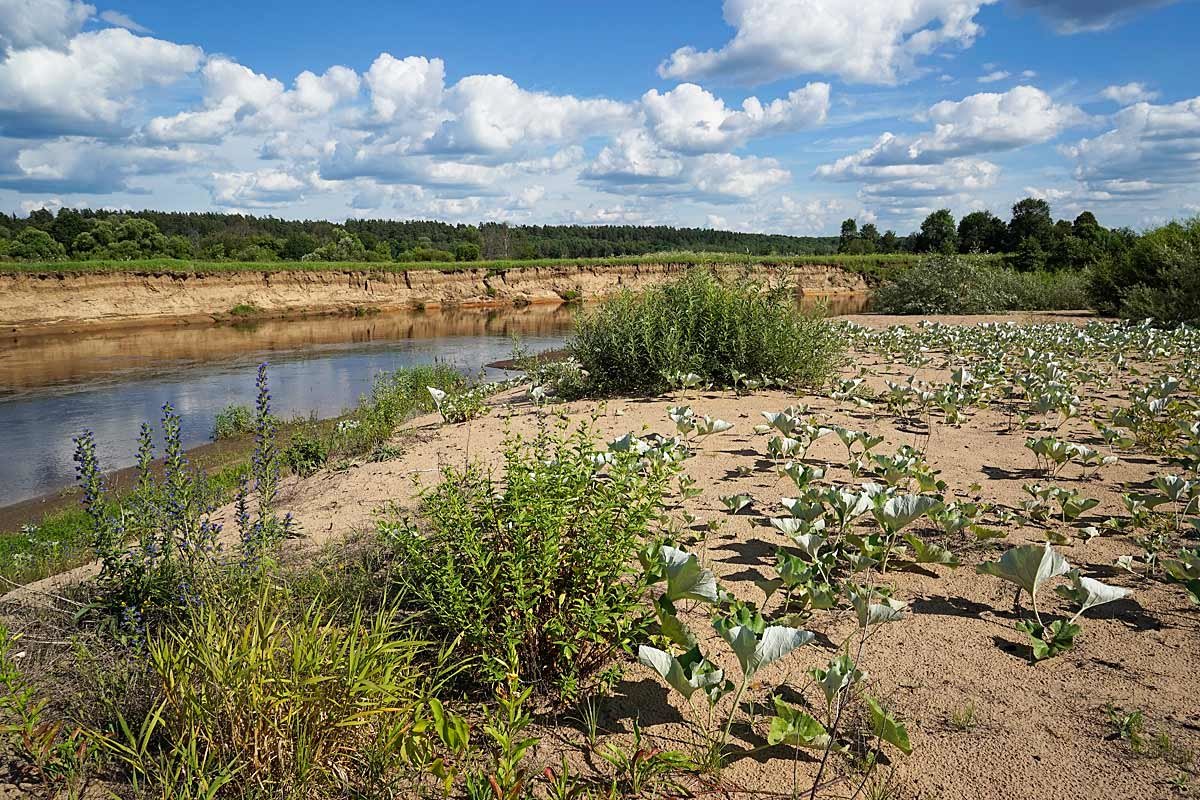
column 704, row 327
column 1030, row 567
column 305, row 454
column 233, row 420
column 538, row 561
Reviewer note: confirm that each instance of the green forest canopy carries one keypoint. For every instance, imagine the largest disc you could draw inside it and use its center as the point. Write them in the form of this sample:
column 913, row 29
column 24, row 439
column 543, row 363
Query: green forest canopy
column 1033, row 238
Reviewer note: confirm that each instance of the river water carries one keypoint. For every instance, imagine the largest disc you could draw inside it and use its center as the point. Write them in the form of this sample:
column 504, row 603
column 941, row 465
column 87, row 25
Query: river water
column 54, row 386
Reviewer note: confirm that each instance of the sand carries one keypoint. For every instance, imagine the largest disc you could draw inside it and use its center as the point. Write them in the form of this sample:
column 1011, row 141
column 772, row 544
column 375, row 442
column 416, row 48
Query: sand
column 1035, row 730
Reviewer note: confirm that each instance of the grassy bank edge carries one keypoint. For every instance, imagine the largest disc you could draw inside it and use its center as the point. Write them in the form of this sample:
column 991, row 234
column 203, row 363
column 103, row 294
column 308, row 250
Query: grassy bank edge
column 861, row 264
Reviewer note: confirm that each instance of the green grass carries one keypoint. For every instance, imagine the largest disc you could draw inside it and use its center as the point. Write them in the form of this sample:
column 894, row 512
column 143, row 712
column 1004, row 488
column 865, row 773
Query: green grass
column 705, row 326
column 868, row 264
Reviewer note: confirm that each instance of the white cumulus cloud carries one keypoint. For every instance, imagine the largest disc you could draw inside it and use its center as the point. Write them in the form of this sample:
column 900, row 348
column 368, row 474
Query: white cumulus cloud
column 41, row 23
column 1127, row 93
column 689, row 119
column 88, row 87
column 1150, row 148
column 867, row 41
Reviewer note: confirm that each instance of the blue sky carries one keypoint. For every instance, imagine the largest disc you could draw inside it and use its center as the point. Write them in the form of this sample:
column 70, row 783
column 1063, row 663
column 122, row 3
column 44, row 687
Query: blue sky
column 776, row 115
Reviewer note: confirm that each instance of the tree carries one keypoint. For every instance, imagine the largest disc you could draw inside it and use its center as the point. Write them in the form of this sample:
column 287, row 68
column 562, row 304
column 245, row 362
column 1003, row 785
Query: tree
column 297, row 245
column 466, row 251
column 981, row 232
column 939, row 234
column 33, row 244
column 1031, row 219
column 1087, row 228
column 67, row 225
column 347, row 248
column 889, row 242
column 870, row 238
column 1028, row 256
column 849, row 235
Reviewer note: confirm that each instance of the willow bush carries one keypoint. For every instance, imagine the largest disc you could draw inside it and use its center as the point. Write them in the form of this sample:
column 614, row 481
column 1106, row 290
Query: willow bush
column 707, row 327
column 968, row 285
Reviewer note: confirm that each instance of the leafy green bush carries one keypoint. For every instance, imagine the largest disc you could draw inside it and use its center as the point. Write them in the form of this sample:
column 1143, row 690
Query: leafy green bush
column 465, row 404
column 537, row 563
column 967, row 285
column 706, row 327
column 1045, row 291
column 233, row 420
column 1159, row 279
column 305, row 454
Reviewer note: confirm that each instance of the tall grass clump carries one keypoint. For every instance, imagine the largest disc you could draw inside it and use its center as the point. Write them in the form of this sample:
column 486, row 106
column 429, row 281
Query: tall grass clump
column 967, row 285
column 279, row 702
column 703, row 326
column 535, row 566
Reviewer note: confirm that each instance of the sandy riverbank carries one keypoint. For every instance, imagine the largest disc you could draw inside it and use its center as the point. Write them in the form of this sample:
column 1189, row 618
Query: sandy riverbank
column 53, row 302
column 1036, row 731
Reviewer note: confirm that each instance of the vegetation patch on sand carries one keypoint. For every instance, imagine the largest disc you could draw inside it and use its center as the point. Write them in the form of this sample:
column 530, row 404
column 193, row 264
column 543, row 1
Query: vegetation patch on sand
column 701, row 330
column 959, row 285
column 714, row 592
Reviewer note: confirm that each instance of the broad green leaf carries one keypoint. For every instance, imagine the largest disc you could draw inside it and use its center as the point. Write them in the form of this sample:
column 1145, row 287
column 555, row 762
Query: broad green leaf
column 887, row 727
column 687, row 674
column 736, row 502
column 686, row 579
column 797, row 728
column 930, row 553
column 1088, row 593
column 755, row 650
column 840, row 674
column 707, row 426
column 1028, row 566
column 869, row 613
column 900, row 511
column 672, row 626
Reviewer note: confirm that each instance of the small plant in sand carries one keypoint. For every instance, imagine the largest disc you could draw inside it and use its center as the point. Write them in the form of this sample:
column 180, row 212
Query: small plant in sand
column 1029, row 567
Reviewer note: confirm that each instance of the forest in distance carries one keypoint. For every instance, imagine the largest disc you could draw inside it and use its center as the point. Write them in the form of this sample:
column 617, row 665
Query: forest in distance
column 1032, row 236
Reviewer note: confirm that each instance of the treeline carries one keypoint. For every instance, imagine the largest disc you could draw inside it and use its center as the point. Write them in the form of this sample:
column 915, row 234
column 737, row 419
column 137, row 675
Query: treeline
column 1031, row 238
column 86, row 234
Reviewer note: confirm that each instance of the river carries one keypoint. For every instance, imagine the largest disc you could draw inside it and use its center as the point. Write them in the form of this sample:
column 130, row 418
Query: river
column 54, row 386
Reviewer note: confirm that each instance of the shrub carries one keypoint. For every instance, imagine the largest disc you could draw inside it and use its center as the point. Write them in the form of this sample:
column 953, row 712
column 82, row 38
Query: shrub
column 563, row 379
column 537, row 564
column 1045, row 291
column 305, row 454
column 966, row 285
column 394, row 397
column 465, row 404
column 233, row 420
column 702, row 325
column 1163, row 281
column 245, row 309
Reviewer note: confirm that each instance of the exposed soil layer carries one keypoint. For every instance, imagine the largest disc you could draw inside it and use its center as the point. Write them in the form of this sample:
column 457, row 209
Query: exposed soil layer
column 1032, row 731
column 31, row 303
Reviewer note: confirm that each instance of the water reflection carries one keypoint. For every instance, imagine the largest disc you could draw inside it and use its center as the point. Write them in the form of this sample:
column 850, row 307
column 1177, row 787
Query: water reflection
column 111, row 383
column 52, row 387
column 30, row 363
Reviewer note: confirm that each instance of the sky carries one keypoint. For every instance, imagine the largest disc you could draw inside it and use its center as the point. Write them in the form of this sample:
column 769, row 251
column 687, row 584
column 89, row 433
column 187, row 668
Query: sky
column 783, row 116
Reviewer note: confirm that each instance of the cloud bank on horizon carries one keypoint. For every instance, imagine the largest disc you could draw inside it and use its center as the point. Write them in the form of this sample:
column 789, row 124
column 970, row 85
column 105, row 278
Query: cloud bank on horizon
column 783, row 116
